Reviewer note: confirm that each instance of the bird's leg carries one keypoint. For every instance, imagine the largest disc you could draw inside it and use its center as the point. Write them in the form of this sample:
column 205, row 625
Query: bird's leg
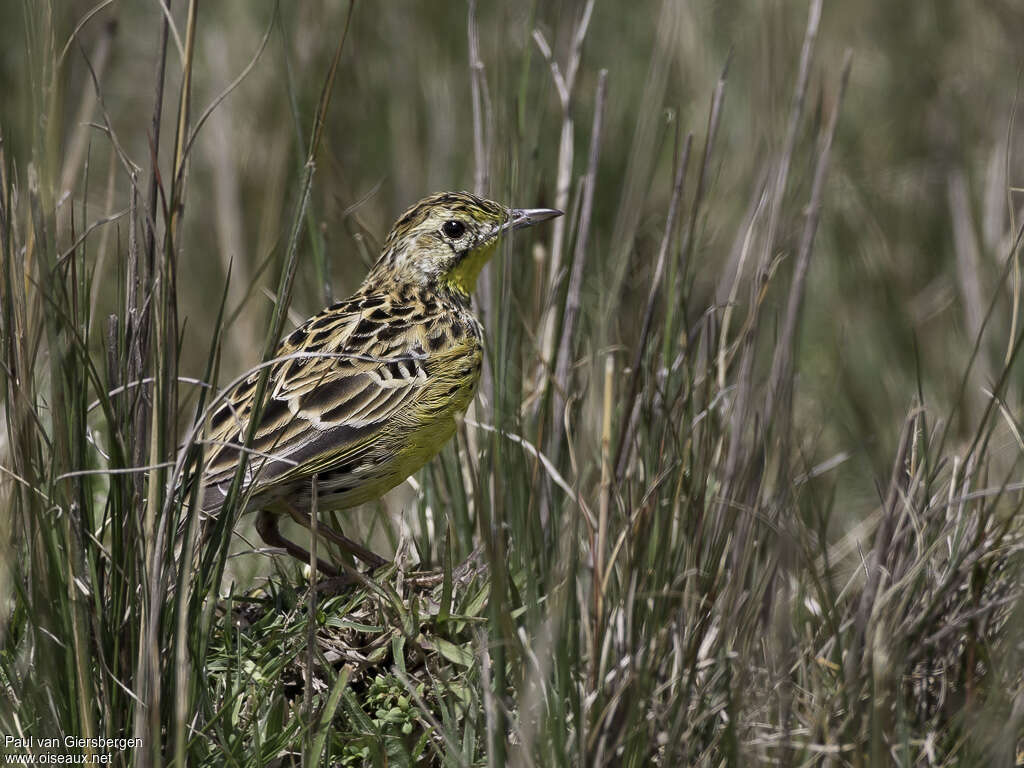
column 266, row 525
column 344, row 542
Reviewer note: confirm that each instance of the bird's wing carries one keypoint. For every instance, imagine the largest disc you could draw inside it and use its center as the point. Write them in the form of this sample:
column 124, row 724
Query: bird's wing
column 353, row 369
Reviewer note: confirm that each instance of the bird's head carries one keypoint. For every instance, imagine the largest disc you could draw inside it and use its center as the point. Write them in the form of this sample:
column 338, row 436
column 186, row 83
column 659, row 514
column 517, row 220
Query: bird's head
column 444, row 240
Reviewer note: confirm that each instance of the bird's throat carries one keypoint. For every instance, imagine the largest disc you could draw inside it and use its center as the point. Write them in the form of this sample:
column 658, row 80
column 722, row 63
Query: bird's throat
column 463, row 276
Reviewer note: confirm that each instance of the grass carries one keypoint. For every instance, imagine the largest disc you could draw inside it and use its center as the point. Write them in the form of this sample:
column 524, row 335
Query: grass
column 681, row 525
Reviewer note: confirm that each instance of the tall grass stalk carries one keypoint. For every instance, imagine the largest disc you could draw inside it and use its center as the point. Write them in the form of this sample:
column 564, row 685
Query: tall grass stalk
column 653, row 541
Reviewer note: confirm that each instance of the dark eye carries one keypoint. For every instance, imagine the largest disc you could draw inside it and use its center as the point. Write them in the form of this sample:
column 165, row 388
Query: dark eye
column 453, row 229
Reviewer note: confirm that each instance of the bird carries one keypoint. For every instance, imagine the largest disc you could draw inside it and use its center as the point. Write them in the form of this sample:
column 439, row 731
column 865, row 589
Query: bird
column 368, row 390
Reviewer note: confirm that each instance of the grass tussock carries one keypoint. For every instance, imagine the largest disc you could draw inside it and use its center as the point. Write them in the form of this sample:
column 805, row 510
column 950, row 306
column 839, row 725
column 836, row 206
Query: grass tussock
column 743, row 483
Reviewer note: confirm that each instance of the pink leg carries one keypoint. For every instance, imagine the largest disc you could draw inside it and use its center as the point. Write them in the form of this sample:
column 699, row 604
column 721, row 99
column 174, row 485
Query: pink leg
column 347, row 545
column 266, row 525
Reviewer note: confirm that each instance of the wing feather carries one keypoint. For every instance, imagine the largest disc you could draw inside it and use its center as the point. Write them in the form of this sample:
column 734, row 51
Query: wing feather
column 321, row 411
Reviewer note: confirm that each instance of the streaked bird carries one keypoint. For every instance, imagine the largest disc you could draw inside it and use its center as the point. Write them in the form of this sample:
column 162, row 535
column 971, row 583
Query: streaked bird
column 368, row 390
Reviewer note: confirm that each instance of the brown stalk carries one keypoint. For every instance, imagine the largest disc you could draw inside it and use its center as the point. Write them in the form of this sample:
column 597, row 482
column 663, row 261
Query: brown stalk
column 482, row 132
column 481, row 107
column 311, row 623
column 598, row 576
column 565, row 84
column 80, row 138
column 878, row 557
column 625, row 436
column 705, row 167
column 164, row 416
column 579, row 262
column 780, row 385
column 968, row 259
column 739, row 447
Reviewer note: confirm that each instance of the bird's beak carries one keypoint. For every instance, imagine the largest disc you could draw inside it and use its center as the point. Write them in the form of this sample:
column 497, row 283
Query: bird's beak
column 527, row 217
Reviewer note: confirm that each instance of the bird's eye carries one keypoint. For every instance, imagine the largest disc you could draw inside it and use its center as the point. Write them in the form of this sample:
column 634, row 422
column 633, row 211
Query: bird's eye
column 453, row 229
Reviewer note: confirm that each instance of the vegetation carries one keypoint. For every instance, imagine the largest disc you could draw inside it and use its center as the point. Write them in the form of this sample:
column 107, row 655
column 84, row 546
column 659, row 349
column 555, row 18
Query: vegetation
column 742, row 485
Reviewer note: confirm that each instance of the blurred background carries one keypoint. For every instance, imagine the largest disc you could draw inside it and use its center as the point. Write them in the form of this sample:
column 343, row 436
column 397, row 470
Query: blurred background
column 919, row 206
column 912, row 298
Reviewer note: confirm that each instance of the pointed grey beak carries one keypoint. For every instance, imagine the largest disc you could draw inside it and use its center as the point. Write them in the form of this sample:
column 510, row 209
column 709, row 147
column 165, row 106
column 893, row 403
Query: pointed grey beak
column 527, row 217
